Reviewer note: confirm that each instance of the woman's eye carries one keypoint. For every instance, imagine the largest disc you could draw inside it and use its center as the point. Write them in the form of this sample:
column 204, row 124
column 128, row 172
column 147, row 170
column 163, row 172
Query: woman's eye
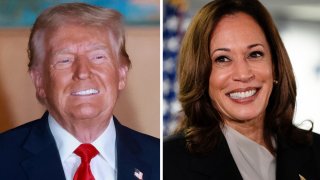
column 256, row 54
column 222, row 59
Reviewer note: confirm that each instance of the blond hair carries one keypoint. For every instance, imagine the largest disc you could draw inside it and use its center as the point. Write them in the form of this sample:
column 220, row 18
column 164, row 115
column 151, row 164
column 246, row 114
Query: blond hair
column 80, row 14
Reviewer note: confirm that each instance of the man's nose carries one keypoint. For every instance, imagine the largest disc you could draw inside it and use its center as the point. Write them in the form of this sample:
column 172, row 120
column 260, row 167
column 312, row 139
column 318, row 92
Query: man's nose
column 82, row 69
column 242, row 71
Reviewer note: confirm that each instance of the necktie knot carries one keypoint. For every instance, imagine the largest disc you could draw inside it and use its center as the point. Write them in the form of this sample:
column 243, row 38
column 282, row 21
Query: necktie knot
column 86, row 152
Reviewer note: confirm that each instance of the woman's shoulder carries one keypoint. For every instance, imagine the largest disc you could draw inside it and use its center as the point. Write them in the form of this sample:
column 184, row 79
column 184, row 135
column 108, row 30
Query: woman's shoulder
column 316, row 140
column 316, row 135
column 310, row 147
column 175, row 149
column 175, row 157
column 174, row 143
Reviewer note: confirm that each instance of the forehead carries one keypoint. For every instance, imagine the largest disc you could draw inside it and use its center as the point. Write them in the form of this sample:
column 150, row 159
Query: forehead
column 239, row 25
column 77, row 37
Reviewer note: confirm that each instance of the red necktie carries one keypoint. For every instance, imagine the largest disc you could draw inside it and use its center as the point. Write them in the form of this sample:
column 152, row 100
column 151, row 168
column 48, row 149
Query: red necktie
column 86, row 153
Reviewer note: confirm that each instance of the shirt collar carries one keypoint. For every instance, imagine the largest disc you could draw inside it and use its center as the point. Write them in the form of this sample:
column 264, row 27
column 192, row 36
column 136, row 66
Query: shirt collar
column 106, row 144
column 67, row 143
column 244, row 143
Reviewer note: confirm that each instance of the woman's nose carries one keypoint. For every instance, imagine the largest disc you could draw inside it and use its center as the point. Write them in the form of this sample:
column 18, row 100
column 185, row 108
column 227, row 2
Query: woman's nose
column 242, row 71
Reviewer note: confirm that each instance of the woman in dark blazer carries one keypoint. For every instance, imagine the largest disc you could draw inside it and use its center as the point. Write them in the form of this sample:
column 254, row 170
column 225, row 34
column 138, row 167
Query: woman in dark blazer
column 238, row 95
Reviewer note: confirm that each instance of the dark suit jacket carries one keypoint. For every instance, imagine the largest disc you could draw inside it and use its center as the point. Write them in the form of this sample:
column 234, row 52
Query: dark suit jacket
column 178, row 163
column 30, row 152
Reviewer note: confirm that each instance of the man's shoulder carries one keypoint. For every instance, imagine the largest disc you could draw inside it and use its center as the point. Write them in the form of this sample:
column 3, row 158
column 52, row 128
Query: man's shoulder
column 18, row 134
column 139, row 137
column 12, row 144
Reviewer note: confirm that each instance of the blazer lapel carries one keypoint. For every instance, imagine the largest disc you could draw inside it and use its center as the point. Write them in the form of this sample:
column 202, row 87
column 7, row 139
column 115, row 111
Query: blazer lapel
column 129, row 161
column 44, row 161
column 218, row 164
column 292, row 161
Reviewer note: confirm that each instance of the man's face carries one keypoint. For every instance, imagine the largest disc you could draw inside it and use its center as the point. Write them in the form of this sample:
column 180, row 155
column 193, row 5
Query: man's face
column 81, row 75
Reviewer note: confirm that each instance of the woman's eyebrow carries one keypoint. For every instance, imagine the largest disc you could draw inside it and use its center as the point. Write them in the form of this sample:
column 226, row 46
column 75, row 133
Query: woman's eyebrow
column 255, row 45
column 220, row 49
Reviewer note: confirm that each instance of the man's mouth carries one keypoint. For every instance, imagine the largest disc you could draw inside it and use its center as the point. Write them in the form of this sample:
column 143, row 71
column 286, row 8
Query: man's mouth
column 85, row 92
column 243, row 94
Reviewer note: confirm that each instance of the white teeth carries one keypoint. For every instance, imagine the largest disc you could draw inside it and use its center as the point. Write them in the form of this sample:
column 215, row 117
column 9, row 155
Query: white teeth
column 241, row 95
column 86, row 92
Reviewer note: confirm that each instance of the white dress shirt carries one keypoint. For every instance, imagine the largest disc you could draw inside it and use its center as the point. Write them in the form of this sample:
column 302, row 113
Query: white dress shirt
column 253, row 160
column 103, row 166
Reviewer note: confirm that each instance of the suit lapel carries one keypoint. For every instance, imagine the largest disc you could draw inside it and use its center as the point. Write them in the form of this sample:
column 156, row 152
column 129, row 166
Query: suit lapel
column 44, row 161
column 219, row 164
column 292, row 161
column 129, row 157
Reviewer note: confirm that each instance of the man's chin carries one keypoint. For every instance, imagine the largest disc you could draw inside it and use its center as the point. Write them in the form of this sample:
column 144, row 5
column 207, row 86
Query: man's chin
column 85, row 113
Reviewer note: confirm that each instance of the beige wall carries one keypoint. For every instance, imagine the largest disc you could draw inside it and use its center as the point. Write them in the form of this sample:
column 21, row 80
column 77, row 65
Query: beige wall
column 138, row 106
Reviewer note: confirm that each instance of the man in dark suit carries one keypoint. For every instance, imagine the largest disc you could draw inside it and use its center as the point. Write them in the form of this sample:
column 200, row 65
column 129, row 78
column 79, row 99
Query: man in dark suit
column 78, row 64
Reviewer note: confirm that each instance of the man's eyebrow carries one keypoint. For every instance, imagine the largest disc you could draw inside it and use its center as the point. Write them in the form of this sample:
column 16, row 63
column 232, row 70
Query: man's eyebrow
column 102, row 47
column 89, row 48
column 97, row 47
column 61, row 51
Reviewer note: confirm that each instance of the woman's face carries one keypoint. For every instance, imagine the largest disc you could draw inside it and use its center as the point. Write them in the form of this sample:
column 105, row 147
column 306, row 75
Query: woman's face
column 241, row 78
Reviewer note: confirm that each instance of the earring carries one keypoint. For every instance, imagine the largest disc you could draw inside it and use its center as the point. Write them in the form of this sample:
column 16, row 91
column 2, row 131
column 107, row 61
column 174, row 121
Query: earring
column 275, row 82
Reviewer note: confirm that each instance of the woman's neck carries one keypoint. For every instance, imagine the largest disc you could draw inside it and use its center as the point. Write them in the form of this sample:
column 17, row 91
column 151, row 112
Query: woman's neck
column 252, row 129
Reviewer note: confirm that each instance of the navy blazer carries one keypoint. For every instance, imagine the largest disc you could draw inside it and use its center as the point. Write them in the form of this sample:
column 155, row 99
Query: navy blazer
column 292, row 161
column 29, row 152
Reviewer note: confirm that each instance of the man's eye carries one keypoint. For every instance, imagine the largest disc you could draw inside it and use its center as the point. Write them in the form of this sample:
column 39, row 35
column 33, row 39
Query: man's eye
column 256, row 54
column 222, row 59
column 63, row 63
column 99, row 59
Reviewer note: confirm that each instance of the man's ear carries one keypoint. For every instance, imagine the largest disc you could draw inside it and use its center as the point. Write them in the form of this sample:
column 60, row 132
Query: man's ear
column 37, row 79
column 123, row 71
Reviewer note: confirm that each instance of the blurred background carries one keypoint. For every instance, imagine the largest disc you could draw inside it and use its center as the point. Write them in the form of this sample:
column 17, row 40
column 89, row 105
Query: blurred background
column 139, row 104
column 299, row 25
